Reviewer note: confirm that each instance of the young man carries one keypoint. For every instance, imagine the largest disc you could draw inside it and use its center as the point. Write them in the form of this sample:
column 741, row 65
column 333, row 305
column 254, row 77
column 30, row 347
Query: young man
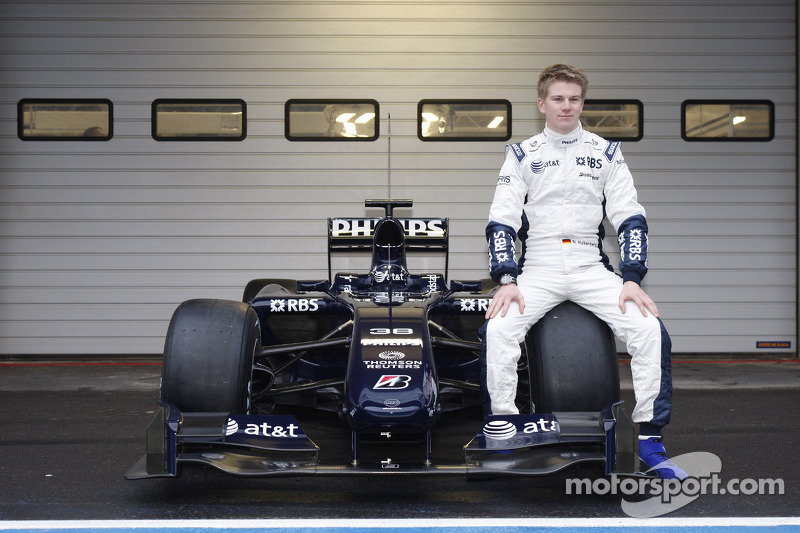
column 557, row 187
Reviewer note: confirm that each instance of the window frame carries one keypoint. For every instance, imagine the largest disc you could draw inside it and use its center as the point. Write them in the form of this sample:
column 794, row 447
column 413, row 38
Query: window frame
column 325, row 101
column 197, row 101
column 624, row 101
column 64, row 101
column 730, row 102
column 478, row 101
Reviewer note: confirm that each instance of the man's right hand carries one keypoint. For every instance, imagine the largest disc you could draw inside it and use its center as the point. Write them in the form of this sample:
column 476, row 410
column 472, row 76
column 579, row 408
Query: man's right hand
column 502, row 300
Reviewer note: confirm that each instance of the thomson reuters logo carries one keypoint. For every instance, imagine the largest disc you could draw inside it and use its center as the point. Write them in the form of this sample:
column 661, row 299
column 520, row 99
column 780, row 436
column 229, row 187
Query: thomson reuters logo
column 231, row 428
column 499, row 430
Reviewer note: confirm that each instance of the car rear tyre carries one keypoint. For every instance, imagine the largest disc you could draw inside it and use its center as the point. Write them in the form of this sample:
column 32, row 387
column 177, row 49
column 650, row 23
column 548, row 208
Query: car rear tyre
column 573, row 361
column 208, row 356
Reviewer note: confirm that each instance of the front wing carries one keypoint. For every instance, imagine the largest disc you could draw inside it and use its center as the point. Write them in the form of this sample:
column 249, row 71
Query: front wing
column 269, row 445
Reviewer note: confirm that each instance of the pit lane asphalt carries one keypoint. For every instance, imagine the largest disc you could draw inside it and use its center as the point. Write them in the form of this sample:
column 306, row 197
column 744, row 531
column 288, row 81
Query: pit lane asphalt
column 70, row 429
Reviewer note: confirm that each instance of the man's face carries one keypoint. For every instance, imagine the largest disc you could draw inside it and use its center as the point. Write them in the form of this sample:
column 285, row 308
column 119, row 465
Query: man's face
column 562, row 106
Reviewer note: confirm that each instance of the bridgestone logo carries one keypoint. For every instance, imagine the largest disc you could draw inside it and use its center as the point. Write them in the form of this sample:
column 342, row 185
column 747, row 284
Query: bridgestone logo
column 392, row 382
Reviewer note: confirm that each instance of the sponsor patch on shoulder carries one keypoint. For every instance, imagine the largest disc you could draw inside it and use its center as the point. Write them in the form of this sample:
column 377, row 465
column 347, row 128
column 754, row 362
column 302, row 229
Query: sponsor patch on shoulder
column 611, row 149
column 518, row 151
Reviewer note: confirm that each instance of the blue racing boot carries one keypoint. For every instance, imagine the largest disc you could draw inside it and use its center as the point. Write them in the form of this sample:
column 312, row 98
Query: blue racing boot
column 653, row 454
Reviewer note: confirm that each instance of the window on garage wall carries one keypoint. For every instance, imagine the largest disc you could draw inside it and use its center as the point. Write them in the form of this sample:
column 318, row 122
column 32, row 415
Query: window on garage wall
column 464, row 120
column 64, row 119
column 615, row 120
column 199, row 120
column 727, row 120
column 331, row 120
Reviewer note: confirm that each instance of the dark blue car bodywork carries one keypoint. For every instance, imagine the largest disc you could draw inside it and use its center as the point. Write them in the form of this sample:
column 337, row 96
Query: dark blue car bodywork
column 390, row 352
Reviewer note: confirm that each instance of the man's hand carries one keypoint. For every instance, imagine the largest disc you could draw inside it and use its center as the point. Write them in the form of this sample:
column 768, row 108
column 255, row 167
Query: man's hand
column 501, row 301
column 633, row 292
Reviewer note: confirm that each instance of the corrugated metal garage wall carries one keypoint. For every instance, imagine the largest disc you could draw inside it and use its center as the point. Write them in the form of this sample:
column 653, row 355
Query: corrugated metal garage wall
column 100, row 241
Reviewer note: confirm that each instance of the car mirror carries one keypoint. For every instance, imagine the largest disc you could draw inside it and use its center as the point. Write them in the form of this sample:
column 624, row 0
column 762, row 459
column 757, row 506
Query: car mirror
column 466, row 286
column 312, row 286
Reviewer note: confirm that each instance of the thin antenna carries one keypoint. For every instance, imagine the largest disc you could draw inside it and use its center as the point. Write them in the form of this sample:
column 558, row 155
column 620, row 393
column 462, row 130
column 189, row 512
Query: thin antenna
column 389, row 156
column 389, row 192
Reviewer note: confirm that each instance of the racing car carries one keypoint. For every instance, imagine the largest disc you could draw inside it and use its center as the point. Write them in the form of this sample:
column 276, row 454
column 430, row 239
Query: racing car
column 392, row 354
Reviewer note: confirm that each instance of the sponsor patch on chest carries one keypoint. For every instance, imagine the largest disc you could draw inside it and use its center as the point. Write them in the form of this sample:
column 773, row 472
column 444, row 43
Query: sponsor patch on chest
column 539, row 166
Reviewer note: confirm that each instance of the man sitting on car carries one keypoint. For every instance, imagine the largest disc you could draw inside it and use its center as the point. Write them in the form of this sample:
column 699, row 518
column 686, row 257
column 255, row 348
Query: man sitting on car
column 553, row 192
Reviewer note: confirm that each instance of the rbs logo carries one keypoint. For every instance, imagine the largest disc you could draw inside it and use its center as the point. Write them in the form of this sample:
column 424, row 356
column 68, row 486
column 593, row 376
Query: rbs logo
column 590, row 162
column 635, row 249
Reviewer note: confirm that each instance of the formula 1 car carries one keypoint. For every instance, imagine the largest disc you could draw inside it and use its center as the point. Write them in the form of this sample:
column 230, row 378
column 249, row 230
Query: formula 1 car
column 391, row 353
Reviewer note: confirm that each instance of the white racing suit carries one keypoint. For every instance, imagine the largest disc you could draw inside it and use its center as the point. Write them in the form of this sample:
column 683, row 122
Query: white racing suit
column 553, row 193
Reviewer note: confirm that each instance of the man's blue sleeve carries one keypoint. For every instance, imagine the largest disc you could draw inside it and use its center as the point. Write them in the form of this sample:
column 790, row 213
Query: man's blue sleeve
column 632, row 237
column 501, row 250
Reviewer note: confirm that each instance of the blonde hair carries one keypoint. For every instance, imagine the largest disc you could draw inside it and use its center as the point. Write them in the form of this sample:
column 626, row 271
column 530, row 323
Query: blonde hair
column 561, row 72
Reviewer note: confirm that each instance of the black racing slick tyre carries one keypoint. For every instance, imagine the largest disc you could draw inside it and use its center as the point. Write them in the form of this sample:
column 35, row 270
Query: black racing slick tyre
column 573, row 361
column 208, row 356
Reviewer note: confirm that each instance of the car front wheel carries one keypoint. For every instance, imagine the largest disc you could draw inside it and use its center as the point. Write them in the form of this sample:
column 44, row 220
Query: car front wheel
column 208, row 356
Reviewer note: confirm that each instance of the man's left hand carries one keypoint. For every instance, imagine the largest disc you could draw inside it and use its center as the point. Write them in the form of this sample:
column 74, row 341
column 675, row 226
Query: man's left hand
column 631, row 291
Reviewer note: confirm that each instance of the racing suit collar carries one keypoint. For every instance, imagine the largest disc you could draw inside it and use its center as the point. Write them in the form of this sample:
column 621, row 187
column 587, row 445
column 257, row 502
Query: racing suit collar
column 562, row 141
